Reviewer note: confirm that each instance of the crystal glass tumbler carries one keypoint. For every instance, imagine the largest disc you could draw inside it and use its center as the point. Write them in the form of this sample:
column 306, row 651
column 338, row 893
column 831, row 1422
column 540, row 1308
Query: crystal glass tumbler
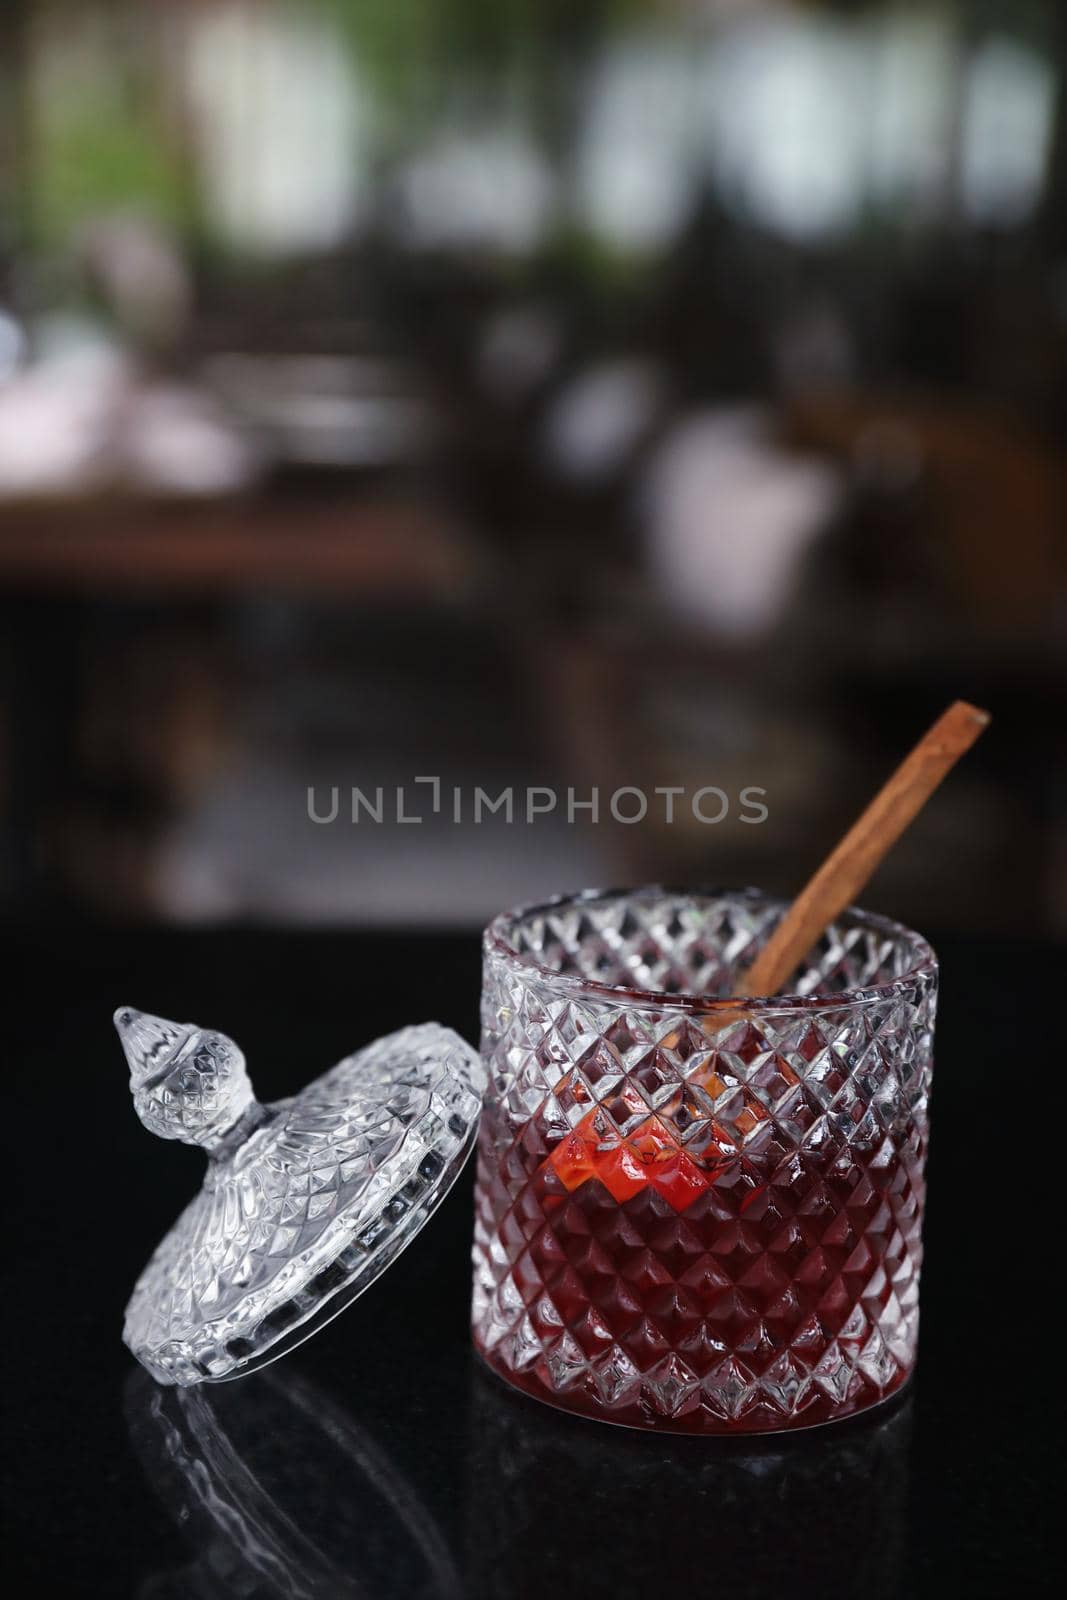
column 695, row 1214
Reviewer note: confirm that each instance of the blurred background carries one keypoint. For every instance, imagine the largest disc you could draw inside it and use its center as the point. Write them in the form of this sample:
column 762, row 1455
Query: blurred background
column 625, row 392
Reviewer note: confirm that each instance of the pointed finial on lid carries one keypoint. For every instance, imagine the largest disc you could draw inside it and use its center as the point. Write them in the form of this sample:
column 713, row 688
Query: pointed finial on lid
column 150, row 1043
column 187, row 1083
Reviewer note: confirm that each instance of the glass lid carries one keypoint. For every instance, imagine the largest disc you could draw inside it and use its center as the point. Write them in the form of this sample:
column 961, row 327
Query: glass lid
column 304, row 1203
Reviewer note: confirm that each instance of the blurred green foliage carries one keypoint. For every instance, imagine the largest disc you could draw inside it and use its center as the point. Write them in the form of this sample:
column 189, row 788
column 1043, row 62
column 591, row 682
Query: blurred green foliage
column 106, row 130
column 100, row 135
column 418, row 53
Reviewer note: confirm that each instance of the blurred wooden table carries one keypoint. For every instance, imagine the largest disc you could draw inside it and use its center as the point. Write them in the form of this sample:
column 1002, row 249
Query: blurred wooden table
column 346, row 545
column 66, row 565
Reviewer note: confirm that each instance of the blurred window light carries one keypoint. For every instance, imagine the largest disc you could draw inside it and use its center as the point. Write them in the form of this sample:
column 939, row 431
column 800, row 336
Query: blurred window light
column 1007, row 132
column 477, row 189
column 786, row 104
column 635, row 176
column 811, row 121
column 282, row 120
column 912, row 109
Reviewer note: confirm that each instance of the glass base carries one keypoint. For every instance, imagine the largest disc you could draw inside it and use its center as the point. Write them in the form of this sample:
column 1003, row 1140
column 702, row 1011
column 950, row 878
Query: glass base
column 699, row 1423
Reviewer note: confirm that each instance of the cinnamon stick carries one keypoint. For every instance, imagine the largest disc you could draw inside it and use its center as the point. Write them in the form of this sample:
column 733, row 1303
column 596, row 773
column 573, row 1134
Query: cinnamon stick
column 848, row 867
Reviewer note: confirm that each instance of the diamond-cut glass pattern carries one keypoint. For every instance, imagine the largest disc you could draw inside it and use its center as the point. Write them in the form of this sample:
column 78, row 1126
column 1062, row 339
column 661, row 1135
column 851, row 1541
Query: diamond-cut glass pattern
column 301, row 1214
column 695, row 1219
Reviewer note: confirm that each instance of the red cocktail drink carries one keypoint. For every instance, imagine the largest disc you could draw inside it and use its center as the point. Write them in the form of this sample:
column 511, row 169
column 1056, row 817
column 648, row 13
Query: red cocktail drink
column 691, row 1217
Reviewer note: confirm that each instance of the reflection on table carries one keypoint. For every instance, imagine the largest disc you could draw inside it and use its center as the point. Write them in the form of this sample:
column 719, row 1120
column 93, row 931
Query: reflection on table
column 280, row 1493
column 558, row 1506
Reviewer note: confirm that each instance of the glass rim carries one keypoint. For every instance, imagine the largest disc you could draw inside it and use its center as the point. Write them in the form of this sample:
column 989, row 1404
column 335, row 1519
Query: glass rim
column 498, row 941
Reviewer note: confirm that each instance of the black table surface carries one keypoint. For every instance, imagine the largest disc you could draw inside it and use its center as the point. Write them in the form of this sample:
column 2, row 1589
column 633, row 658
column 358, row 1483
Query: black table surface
column 379, row 1459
